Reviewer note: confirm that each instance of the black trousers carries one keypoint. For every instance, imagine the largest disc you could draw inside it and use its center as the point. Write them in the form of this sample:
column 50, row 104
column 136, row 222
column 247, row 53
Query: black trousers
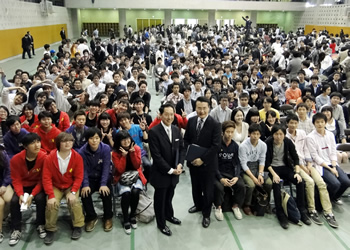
column 15, row 208
column 237, row 192
column 163, row 207
column 286, row 173
column 26, row 50
column 90, row 213
column 202, row 189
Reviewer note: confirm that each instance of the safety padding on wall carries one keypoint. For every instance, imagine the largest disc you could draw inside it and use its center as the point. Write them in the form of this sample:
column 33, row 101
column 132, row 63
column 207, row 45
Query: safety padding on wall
column 331, row 29
column 11, row 42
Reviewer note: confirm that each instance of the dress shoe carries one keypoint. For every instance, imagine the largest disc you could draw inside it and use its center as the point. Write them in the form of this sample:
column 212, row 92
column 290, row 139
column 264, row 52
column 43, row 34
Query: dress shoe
column 305, row 219
column 174, row 220
column 166, row 231
column 108, row 225
column 76, row 234
column 247, row 210
column 206, row 222
column 193, row 209
column 49, row 238
column 283, row 222
column 90, row 226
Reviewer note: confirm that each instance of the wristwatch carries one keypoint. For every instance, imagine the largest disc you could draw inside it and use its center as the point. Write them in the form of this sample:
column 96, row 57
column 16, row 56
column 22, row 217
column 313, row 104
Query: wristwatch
column 262, row 174
column 73, row 193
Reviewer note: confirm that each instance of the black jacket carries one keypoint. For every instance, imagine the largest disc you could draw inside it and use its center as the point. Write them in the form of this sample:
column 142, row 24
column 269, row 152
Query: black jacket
column 290, row 158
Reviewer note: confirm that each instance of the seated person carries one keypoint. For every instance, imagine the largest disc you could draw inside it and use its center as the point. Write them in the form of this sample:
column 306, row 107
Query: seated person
column 241, row 131
column 244, row 103
column 293, row 92
column 126, row 156
column 62, row 178
column 305, row 122
column 97, row 161
column 92, row 114
column 252, row 154
column 104, row 124
column 228, row 179
column 175, row 96
column 143, row 94
column 282, row 161
column 323, row 99
column 47, row 131
column 139, row 134
column 29, row 121
column 322, row 147
column 271, row 119
column 187, row 104
column 139, row 114
column 13, row 138
column 267, row 103
column 310, row 175
column 26, row 174
column 78, row 129
column 6, row 191
column 222, row 113
column 14, row 106
column 59, row 118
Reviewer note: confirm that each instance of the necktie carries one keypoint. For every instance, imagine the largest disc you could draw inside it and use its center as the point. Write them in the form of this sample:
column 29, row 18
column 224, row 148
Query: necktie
column 168, row 132
column 199, row 126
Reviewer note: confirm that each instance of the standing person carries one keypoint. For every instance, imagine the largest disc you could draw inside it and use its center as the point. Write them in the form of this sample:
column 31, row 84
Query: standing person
column 204, row 131
column 248, row 25
column 31, row 42
column 62, row 177
column 97, row 177
column 63, row 34
column 26, row 42
column 167, row 149
column 26, row 173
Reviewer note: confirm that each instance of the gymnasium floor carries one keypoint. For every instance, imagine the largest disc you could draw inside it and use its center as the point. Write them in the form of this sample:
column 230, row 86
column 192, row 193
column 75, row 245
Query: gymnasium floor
column 250, row 233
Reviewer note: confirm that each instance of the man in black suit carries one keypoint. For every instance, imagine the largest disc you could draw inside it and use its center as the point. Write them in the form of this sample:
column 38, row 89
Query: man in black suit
column 204, row 131
column 336, row 84
column 167, row 149
column 26, row 42
column 63, row 33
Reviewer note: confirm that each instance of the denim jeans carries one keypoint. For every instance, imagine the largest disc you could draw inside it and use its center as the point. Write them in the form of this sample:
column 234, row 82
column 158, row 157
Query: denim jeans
column 336, row 185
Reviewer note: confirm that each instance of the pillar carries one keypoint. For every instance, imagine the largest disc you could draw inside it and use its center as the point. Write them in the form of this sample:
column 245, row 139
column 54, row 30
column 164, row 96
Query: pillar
column 211, row 18
column 122, row 21
column 167, row 19
column 253, row 18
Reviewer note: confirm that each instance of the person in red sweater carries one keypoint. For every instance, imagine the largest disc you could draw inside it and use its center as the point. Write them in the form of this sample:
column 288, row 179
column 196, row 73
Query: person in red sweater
column 59, row 118
column 118, row 107
column 26, row 169
column 293, row 93
column 126, row 156
column 29, row 121
column 47, row 131
column 62, row 177
column 179, row 121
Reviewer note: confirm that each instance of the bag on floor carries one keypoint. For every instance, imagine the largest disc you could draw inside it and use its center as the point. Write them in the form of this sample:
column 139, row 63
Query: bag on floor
column 145, row 210
column 290, row 207
column 262, row 200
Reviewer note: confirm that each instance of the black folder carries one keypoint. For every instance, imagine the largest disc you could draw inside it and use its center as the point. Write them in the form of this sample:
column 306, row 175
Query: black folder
column 195, row 151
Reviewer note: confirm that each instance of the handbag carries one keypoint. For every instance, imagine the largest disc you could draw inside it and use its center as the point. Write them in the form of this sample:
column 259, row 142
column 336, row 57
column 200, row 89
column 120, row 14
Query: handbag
column 129, row 177
column 262, row 200
column 145, row 210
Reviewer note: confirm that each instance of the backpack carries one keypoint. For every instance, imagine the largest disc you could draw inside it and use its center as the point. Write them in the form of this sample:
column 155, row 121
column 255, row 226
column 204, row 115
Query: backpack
column 145, row 210
column 290, row 207
column 262, row 200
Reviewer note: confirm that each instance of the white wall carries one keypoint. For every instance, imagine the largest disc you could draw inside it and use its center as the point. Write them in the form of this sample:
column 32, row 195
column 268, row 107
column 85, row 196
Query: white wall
column 17, row 14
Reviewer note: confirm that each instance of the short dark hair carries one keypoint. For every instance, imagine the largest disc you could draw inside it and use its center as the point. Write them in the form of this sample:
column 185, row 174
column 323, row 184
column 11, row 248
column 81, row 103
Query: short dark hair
column 11, row 120
column 335, row 94
column 319, row 116
column 277, row 127
column 254, row 127
column 121, row 135
column 94, row 103
column 268, row 99
column 24, row 96
column 228, row 124
column 203, row 99
column 48, row 103
column 223, row 96
column 302, row 105
column 244, row 95
column 79, row 112
column 292, row 117
column 44, row 114
column 327, row 108
column 90, row 132
column 138, row 100
column 234, row 112
column 166, row 105
column 142, row 82
column 30, row 138
column 123, row 115
column 63, row 137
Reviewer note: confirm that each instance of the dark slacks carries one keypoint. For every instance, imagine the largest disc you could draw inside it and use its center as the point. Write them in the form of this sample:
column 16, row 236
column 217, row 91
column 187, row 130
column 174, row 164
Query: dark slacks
column 16, row 215
column 26, row 50
column 163, row 207
column 202, row 189
column 237, row 193
column 88, row 205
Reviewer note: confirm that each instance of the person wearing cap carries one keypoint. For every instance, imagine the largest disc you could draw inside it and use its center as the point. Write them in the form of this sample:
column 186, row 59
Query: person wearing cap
column 293, row 92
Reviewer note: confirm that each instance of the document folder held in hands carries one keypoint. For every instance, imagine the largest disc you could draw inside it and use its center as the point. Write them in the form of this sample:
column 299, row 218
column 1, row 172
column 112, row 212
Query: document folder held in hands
column 194, row 151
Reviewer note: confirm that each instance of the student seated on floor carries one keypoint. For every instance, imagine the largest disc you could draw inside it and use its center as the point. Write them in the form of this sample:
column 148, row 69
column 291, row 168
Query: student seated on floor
column 97, row 177
column 310, row 175
column 78, row 129
column 13, row 138
column 282, row 161
column 62, row 178
column 228, row 179
column 322, row 147
column 26, row 173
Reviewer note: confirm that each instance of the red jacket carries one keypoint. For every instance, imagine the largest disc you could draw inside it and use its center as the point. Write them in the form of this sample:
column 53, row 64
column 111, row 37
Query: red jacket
column 31, row 128
column 113, row 115
column 48, row 139
column 181, row 122
column 64, row 122
column 20, row 175
column 119, row 162
column 52, row 176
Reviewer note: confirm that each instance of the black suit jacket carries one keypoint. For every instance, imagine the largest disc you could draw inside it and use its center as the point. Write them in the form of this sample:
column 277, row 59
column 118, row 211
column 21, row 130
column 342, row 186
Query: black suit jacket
column 317, row 92
column 209, row 137
column 336, row 88
column 180, row 105
column 164, row 155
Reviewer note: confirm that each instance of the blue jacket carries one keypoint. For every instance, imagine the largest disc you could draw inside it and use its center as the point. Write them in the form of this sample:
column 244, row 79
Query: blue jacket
column 97, row 165
column 77, row 144
column 5, row 176
column 13, row 143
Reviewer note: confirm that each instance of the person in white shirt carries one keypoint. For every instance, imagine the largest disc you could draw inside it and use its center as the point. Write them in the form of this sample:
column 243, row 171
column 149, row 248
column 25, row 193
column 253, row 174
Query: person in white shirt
column 96, row 87
column 310, row 175
column 222, row 113
column 322, row 147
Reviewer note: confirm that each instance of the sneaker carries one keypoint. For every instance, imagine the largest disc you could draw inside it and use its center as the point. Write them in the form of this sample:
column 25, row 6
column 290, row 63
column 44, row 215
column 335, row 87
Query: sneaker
column 218, row 214
column 331, row 220
column 127, row 228
column 15, row 237
column 1, row 237
column 315, row 218
column 305, row 219
column 133, row 222
column 90, row 226
column 41, row 231
column 76, row 234
column 49, row 237
column 338, row 201
column 237, row 213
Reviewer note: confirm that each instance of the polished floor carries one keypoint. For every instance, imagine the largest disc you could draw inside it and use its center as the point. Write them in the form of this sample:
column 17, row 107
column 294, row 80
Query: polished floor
column 250, row 233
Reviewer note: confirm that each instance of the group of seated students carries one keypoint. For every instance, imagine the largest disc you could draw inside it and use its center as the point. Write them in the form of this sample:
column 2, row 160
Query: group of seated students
column 50, row 157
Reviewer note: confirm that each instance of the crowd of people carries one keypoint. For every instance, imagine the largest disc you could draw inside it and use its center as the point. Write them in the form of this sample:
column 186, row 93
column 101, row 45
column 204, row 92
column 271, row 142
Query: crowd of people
column 256, row 108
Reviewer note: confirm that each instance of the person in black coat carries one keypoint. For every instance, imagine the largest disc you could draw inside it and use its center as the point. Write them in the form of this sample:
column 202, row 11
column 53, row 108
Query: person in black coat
column 180, row 106
column 168, row 153
column 26, row 42
column 282, row 161
column 63, row 34
column 204, row 131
